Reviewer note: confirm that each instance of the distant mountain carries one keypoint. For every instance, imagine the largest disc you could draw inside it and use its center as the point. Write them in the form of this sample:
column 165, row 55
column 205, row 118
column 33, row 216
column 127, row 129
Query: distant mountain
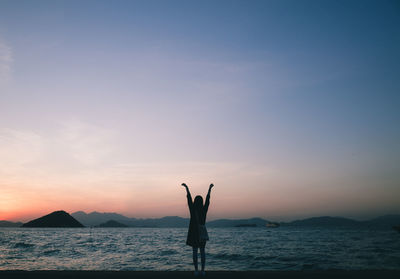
column 324, row 221
column 112, row 224
column 258, row 222
column 97, row 218
column 57, row 219
column 10, row 224
column 384, row 222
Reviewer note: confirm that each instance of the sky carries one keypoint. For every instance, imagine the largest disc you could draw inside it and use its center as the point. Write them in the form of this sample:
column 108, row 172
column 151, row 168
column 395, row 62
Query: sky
column 291, row 108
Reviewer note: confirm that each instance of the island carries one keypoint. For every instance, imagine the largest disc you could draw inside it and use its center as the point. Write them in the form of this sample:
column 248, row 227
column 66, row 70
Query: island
column 112, row 224
column 4, row 224
column 56, row 219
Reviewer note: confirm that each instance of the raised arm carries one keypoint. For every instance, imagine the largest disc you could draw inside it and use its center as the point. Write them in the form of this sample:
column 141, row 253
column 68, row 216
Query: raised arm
column 189, row 197
column 207, row 203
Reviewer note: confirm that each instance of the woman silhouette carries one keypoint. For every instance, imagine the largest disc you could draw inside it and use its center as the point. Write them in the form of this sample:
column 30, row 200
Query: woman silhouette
column 197, row 234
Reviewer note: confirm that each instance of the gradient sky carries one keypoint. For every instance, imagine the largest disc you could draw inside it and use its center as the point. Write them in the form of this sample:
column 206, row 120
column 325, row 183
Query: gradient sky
column 291, row 108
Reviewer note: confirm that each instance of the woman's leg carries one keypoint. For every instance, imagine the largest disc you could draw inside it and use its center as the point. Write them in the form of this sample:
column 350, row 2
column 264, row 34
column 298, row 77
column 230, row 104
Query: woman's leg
column 195, row 258
column 203, row 258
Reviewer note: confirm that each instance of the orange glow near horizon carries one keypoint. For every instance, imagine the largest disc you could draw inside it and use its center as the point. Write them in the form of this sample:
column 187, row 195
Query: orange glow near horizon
column 152, row 202
column 36, row 181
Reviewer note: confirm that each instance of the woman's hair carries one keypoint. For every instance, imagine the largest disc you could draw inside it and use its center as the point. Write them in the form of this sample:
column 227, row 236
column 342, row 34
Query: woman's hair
column 198, row 203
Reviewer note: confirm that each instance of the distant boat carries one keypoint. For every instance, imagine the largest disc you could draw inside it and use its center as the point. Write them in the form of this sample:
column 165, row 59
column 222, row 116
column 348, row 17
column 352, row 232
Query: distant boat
column 397, row 228
column 245, row 225
column 272, row 225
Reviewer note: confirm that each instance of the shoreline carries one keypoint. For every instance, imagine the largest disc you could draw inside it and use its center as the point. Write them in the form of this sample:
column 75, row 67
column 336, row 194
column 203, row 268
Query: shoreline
column 14, row 274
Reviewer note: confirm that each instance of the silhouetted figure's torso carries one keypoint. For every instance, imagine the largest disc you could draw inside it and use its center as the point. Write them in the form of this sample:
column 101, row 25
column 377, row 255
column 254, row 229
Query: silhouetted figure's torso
column 197, row 217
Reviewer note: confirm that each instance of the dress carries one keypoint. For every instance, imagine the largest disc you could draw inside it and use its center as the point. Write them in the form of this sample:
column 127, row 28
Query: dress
column 196, row 219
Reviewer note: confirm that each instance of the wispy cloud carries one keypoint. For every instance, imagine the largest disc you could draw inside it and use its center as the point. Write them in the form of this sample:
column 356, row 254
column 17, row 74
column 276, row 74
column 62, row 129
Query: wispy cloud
column 74, row 143
column 81, row 166
column 74, row 166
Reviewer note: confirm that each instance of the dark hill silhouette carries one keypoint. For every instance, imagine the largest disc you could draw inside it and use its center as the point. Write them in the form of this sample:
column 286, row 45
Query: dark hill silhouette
column 57, row 219
column 112, row 224
column 325, row 221
column 383, row 222
column 9, row 224
column 97, row 218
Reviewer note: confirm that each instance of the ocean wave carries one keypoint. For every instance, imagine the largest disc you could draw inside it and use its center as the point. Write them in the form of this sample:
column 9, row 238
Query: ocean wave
column 168, row 252
column 264, row 258
column 14, row 257
column 150, row 249
column 289, row 259
column 233, row 256
column 23, row 245
column 51, row 252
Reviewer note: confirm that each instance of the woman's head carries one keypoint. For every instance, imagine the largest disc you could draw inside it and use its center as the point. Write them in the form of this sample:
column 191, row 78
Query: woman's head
column 198, row 202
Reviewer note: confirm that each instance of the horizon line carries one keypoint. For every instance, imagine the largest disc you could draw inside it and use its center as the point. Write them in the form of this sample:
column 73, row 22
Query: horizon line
column 223, row 218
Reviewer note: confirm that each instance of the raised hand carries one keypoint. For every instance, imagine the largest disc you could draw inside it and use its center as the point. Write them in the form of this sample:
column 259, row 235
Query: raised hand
column 211, row 185
column 184, row 185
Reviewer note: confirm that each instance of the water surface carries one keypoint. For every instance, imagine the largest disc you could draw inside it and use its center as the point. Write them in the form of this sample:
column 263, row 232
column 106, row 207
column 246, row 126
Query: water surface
column 228, row 249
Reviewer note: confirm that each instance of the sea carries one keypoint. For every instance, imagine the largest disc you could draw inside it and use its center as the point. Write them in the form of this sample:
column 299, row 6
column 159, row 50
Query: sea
column 246, row 248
